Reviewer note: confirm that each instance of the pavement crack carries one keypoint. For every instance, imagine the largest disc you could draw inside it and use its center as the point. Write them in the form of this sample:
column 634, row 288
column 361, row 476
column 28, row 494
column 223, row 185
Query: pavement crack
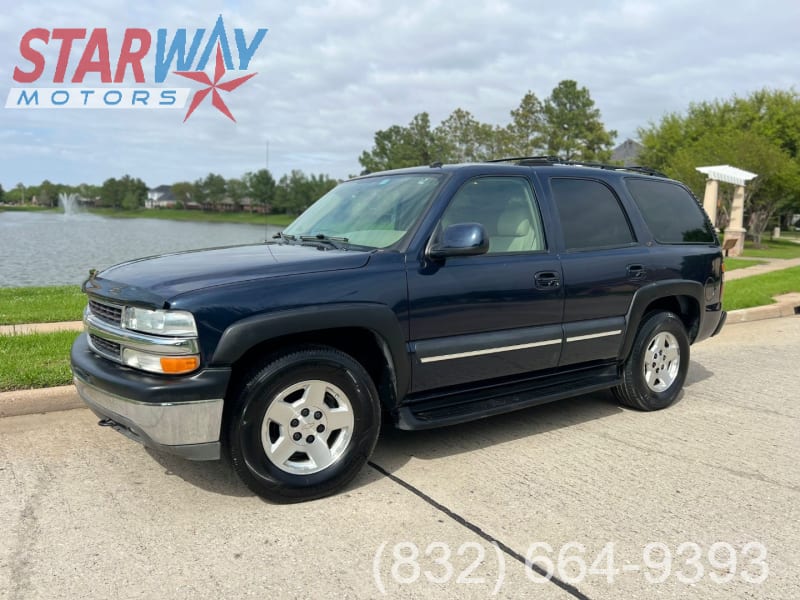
column 570, row 589
column 28, row 533
column 736, row 472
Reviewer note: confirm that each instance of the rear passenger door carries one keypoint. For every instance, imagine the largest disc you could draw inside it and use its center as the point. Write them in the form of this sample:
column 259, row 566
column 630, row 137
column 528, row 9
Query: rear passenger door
column 603, row 265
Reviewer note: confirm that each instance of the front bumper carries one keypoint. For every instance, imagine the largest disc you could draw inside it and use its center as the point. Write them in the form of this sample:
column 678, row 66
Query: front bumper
column 179, row 415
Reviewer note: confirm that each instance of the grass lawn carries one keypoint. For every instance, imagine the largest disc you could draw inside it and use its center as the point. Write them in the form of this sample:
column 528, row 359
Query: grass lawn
column 773, row 249
column 41, row 304
column 732, row 264
column 195, row 215
column 36, row 360
column 759, row 289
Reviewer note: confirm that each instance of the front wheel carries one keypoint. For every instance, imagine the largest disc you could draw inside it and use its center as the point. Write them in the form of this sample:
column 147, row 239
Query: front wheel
column 305, row 424
column 653, row 374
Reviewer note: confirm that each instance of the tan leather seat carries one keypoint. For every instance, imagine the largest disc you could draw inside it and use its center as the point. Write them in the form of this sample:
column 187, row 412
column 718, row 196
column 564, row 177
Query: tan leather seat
column 514, row 230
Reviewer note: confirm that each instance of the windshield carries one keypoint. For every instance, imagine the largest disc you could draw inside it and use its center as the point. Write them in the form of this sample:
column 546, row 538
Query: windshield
column 375, row 212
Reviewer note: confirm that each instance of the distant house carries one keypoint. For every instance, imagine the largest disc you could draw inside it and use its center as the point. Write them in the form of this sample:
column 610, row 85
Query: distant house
column 627, row 153
column 228, row 205
column 252, row 206
column 160, row 197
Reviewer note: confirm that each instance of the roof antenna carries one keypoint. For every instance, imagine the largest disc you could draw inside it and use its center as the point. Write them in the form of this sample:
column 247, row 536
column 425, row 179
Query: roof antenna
column 266, row 218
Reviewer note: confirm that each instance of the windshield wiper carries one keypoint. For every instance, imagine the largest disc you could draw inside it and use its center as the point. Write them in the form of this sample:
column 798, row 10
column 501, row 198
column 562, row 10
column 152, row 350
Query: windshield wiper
column 332, row 240
column 284, row 236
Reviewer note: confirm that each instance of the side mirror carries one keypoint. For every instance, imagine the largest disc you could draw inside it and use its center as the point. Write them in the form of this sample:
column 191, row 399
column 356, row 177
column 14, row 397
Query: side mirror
column 461, row 239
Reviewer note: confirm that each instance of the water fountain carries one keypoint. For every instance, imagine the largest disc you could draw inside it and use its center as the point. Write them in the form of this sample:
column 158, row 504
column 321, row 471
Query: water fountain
column 70, row 203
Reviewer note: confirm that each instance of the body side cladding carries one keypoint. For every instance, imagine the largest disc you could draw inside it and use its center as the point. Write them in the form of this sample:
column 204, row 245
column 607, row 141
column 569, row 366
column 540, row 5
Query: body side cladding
column 647, row 294
column 379, row 319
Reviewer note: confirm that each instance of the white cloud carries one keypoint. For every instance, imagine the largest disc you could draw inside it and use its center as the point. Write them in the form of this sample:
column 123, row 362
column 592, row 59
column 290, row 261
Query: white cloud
column 331, row 73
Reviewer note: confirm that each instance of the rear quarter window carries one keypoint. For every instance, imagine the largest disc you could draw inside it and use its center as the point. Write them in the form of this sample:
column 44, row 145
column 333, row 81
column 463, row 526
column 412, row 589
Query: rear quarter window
column 671, row 212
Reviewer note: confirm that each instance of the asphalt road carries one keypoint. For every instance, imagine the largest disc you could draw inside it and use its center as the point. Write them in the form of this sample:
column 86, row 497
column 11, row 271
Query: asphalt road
column 676, row 504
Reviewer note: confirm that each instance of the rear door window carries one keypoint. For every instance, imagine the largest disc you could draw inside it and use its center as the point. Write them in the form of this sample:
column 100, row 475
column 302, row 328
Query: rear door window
column 590, row 214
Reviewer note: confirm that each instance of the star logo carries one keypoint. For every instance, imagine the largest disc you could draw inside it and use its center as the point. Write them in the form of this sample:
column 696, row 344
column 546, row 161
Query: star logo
column 213, row 87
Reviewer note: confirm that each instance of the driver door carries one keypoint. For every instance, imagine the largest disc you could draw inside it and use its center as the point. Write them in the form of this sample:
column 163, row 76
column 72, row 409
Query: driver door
column 495, row 315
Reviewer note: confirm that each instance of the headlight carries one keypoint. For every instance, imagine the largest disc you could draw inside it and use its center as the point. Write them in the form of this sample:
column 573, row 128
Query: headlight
column 159, row 322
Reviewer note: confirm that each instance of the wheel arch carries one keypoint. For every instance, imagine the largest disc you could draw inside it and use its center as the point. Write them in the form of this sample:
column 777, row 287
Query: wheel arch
column 369, row 333
column 682, row 297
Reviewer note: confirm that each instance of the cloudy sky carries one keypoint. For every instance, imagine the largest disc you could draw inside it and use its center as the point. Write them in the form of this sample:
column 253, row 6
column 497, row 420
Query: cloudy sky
column 332, row 72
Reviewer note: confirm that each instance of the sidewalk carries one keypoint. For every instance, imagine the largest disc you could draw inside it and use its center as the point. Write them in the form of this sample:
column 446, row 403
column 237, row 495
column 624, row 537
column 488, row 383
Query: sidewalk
column 772, row 264
column 41, row 327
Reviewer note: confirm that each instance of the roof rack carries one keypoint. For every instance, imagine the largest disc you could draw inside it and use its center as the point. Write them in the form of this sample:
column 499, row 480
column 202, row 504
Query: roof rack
column 555, row 160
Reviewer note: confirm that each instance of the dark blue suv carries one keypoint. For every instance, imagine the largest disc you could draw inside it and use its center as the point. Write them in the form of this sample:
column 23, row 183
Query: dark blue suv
column 426, row 296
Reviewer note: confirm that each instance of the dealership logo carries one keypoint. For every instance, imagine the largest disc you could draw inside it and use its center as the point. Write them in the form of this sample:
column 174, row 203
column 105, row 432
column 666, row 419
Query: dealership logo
column 47, row 55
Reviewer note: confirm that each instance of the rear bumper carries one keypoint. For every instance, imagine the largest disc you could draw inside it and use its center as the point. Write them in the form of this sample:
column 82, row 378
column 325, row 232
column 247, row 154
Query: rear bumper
column 721, row 323
column 711, row 323
column 181, row 416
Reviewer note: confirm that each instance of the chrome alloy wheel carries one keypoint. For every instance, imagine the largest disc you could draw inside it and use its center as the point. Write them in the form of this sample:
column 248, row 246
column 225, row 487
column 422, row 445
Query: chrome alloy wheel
column 307, row 427
column 662, row 361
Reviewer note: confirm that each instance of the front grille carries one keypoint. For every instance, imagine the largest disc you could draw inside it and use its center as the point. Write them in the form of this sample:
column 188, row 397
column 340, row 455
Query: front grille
column 106, row 312
column 105, row 347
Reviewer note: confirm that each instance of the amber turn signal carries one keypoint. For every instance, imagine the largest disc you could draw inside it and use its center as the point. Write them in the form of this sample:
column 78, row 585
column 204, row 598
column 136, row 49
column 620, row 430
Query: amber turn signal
column 179, row 364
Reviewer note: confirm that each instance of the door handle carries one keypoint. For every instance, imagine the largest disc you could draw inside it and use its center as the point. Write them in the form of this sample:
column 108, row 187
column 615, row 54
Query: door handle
column 636, row 271
column 547, row 280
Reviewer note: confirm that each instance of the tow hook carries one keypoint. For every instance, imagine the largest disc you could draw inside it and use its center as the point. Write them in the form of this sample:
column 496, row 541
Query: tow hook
column 107, row 423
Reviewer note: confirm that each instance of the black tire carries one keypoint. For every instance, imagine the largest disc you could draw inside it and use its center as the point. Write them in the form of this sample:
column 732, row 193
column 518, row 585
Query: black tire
column 634, row 391
column 263, row 386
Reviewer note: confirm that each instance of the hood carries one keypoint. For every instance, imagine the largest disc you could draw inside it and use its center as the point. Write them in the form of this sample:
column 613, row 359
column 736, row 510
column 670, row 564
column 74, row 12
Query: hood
column 155, row 280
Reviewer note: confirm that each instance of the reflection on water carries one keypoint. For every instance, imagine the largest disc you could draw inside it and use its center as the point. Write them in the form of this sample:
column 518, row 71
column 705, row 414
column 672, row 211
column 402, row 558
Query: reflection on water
column 52, row 248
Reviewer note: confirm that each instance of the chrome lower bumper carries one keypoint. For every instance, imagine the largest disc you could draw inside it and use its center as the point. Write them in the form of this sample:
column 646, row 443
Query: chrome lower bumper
column 188, row 429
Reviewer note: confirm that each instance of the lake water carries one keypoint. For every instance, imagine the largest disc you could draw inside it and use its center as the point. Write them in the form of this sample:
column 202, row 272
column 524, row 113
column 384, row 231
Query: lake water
column 54, row 249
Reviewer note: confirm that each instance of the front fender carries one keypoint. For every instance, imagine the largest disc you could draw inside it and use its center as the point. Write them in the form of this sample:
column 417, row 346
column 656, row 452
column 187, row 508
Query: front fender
column 238, row 338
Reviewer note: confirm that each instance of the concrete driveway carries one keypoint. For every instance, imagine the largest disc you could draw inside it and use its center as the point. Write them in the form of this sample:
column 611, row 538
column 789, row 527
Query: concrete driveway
column 674, row 504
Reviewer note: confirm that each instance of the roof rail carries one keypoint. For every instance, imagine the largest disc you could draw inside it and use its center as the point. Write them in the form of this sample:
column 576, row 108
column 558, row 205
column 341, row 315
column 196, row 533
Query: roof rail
column 537, row 159
column 555, row 160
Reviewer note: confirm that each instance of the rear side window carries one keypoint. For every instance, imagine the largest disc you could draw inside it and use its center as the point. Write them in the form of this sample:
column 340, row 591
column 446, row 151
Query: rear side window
column 590, row 214
column 671, row 213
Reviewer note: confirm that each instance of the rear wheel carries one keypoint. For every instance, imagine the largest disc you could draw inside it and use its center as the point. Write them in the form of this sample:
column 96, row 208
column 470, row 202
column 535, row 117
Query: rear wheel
column 654, row 373
column 305, row 424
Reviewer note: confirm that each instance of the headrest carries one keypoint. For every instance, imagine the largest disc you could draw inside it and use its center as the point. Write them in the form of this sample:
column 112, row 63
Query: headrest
column 514, row 222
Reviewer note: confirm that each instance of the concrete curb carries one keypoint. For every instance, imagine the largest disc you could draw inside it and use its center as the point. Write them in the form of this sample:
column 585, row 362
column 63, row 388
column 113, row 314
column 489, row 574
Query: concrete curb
column 44, row 400
column 786, row 305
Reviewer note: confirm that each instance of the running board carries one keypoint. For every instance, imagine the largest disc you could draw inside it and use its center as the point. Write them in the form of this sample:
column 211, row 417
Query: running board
column 454, row 408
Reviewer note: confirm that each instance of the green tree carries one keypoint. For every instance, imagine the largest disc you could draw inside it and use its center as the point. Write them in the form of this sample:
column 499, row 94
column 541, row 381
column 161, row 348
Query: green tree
column 566, row 124
column 236, row 189
column 525, row 135
column 213, row 189
column 462, row 138
column 111, row 193
column 261, row 186
column 2, row 193
column 397, row 147
column 133, row 191
column 16, row 195
column 183, row 192
column 759, row 133
column 48, row 194
column 573, row 127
